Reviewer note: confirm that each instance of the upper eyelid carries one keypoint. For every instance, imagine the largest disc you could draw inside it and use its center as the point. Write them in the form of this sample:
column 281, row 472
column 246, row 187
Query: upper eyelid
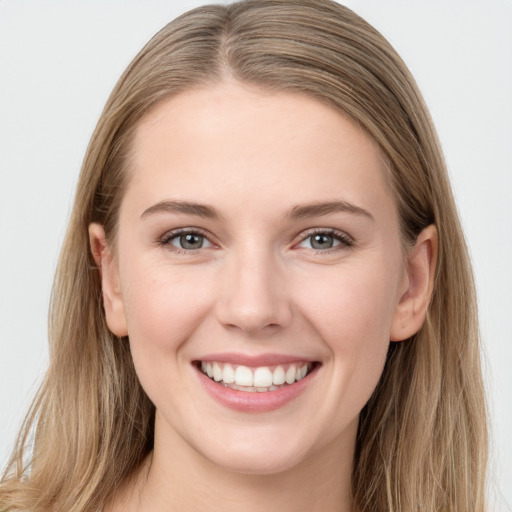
column 303, row 235
column 168, row 235
column 345, row 242
column 165, row 240
column 328, row 231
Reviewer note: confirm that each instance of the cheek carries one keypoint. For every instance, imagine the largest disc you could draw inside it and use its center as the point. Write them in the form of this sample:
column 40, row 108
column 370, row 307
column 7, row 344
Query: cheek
column 353, row 313
column 354, row 306
column 163, row 309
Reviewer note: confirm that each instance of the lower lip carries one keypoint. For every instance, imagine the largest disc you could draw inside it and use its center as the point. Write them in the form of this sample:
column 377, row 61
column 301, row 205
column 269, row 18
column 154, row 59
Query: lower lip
column 246, row 401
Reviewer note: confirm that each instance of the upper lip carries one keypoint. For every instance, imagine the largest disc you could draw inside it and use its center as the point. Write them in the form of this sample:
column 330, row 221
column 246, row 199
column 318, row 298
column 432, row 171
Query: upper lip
column 254, row 360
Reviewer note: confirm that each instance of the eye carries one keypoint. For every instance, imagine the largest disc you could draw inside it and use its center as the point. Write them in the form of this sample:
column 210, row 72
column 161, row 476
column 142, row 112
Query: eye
column 186, row 241
column 325, row 240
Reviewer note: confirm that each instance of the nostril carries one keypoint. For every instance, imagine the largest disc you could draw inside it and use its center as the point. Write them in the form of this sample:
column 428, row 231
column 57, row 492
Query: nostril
column 253, row 297
column 253, row 319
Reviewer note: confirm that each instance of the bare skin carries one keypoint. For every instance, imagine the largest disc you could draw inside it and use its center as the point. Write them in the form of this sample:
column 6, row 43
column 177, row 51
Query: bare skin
column 293, row 248
column 309, row 487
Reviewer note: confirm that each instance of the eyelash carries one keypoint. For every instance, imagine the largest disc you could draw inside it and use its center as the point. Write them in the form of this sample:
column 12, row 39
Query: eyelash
column 345, row 241
column 165, row 241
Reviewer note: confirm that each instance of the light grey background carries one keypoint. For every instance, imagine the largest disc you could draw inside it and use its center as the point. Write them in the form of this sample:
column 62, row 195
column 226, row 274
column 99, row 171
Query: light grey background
column 60, row 59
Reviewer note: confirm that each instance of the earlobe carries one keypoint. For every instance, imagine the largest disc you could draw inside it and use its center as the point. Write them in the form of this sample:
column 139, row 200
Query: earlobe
column 113, row 302
column 420, row 271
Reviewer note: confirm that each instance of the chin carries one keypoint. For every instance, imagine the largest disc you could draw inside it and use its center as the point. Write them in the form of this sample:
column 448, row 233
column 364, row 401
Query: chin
column 260, row 455
column 255, row 464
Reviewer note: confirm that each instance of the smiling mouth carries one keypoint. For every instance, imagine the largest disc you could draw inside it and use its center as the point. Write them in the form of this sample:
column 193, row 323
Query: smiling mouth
column 260, row 379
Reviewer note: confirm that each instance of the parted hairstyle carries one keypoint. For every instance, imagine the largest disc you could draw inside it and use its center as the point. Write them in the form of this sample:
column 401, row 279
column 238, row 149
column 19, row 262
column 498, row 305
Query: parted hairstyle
column 422, row 438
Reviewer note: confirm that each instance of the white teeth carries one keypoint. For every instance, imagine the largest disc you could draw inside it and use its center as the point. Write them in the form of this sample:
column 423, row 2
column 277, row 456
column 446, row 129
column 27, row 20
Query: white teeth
column 249, row 389
column 278, row 376
column 262, row 377
column 243, row 376
column 228, row 374
column 290, row 375
column 217, row 372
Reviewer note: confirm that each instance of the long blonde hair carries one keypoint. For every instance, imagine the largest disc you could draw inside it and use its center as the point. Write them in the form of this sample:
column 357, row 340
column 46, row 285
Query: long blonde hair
column 422, row 441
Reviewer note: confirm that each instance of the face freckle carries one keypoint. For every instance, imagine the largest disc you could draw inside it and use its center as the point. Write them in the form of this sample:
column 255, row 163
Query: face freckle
column 257, row 226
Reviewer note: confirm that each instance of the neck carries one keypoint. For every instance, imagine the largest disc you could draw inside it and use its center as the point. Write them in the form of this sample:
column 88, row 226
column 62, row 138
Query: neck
column 175, row 477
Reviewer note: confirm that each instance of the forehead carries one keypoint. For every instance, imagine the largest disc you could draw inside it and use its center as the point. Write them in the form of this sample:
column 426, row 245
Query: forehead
column 234, row 141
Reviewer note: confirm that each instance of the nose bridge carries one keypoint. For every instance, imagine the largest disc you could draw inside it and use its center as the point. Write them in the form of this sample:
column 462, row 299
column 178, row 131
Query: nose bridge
column 254, row 295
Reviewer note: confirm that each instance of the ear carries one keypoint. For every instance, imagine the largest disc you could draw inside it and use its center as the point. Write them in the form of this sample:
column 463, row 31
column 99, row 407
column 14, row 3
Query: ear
column 109, row 273
column 419, row 281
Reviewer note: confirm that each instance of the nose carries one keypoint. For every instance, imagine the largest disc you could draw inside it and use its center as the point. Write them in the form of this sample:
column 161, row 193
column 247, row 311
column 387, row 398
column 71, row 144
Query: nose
column 254, row 295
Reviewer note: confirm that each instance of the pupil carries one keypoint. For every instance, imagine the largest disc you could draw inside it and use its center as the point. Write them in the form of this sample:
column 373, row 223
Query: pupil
column 191, row 241
column 322, row 242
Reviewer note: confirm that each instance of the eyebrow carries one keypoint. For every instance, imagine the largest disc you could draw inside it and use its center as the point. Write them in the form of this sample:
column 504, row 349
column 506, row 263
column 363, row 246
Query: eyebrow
column 299, row 212
column 306, row 211
column 185, row 207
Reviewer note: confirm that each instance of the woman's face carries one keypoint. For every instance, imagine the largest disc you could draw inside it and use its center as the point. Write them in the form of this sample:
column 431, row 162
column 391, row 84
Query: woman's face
column 258, row 239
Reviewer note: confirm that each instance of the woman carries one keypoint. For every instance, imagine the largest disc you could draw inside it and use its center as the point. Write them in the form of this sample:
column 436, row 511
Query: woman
column 274, row 286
